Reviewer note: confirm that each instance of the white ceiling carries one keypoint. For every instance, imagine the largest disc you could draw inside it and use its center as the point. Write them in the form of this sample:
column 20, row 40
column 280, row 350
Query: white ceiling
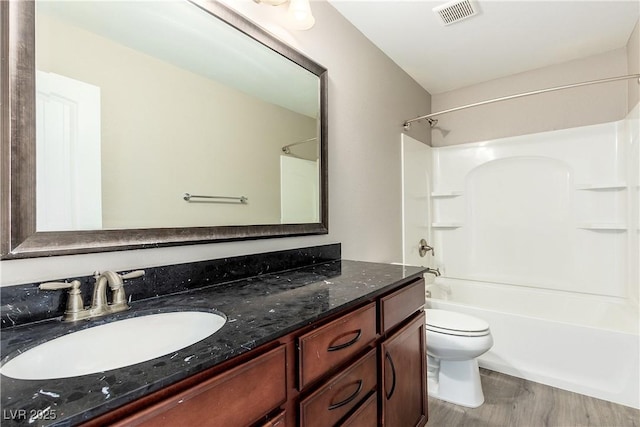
column 506, row 37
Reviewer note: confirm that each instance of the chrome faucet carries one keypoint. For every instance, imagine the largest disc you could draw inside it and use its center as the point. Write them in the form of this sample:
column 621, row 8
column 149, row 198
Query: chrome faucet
column 99, row 304
column 434, row 271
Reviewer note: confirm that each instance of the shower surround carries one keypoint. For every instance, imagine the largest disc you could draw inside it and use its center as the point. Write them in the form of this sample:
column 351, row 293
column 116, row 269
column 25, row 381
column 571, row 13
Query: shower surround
column 538, row 235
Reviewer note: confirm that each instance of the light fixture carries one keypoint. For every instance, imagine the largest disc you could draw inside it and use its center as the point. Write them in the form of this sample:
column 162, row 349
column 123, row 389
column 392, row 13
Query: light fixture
column 299, row 16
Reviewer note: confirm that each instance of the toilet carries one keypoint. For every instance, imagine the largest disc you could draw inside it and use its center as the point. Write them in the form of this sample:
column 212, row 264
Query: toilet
column 454, row 341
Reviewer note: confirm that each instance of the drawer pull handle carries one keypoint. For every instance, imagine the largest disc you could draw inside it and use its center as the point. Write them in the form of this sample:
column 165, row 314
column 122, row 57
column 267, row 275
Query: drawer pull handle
column 348, row 399
column 393, row 372
column 347, row 344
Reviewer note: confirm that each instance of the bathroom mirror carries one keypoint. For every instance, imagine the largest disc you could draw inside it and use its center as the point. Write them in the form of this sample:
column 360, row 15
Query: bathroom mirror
column 140, row 124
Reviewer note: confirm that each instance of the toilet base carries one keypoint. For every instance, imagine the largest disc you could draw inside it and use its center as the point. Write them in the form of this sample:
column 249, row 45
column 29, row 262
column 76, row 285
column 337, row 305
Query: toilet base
column 458, row 382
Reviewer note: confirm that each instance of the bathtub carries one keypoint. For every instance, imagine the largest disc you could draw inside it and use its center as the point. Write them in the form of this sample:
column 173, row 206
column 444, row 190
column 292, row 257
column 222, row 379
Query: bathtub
column 582, row 343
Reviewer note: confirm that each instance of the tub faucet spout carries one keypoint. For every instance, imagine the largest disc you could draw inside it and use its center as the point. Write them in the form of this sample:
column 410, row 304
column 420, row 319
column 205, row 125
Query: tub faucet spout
column 434, row 271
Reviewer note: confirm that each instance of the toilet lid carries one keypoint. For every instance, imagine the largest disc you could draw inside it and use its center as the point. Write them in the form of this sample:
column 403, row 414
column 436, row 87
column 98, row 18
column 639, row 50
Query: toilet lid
column 450, row 322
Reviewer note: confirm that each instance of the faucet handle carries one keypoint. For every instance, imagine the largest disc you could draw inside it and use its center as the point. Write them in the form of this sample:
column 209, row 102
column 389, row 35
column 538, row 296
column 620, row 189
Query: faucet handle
column 130, row 275
column 133, row 274
column 54, row 286
column 423, row 248
column 119, row 296
column 75, row 306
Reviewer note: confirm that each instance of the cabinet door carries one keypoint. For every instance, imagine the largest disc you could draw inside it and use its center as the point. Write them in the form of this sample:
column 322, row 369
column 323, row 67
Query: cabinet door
column 404, row 376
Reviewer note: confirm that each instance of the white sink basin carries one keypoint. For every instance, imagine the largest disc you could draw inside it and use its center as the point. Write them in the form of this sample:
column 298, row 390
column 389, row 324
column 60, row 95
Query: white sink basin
column 113, row 345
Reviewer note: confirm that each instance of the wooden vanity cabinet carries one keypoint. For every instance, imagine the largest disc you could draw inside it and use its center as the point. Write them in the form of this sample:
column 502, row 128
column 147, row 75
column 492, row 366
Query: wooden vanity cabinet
column 404, row 400
column 363, row 367
column 395, row 395
column 403, row 370
column 335, row 377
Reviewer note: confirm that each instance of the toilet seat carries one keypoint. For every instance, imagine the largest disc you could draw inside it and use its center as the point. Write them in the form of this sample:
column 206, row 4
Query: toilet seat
column 458, row 324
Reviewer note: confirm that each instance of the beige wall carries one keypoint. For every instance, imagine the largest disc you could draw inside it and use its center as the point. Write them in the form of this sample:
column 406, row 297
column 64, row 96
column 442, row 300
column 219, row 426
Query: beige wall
column 633, row 60
column 167, row 131
column 369, row 99
column 555, row 110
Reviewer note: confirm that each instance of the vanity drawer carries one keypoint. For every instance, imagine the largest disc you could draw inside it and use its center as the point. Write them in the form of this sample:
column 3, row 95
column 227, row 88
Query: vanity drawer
column 240, row 396
column 401, row 304
column 277, row 421
column 326, row 347
column 366, row 415
column 331, row 402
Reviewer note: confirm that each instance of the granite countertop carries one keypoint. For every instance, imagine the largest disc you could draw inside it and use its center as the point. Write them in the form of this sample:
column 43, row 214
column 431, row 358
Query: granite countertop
column 258, row 310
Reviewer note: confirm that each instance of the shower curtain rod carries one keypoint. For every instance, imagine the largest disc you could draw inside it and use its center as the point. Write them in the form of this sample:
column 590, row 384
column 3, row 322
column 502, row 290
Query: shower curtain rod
column 285, row 148
column 433, row 122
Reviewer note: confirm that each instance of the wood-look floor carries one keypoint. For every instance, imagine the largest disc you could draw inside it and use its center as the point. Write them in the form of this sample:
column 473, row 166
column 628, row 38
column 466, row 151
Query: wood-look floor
column 514, row 402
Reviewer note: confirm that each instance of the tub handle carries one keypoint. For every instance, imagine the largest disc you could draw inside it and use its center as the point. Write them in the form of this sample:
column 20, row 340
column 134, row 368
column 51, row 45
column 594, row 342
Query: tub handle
column 424, row 248
column 393, row 372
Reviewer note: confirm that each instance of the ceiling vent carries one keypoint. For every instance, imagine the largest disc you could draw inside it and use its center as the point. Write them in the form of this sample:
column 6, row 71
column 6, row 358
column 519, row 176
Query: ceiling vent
column 455, row 11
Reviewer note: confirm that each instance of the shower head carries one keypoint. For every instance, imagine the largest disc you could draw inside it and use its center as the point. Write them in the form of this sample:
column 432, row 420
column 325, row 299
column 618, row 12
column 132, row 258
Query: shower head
column 432, row 123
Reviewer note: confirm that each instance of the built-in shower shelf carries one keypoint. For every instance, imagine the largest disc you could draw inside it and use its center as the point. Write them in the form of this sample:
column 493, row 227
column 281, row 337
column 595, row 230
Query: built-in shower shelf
column 419, row 197
column 443, row 194
column 602, row 187
column 446, row 225
column 603, row 226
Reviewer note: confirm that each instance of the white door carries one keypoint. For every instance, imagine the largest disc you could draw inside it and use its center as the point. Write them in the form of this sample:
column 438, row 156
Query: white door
column 299, row 192
column 416, row 201
column 68, row 170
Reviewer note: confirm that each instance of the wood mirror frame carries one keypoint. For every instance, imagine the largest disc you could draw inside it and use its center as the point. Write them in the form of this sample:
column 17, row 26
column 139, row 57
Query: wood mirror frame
column 18, row 174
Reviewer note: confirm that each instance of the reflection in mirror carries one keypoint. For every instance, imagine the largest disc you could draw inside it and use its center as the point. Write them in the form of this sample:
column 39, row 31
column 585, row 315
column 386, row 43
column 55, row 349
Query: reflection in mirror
column 134, row 112
column 114, row 111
